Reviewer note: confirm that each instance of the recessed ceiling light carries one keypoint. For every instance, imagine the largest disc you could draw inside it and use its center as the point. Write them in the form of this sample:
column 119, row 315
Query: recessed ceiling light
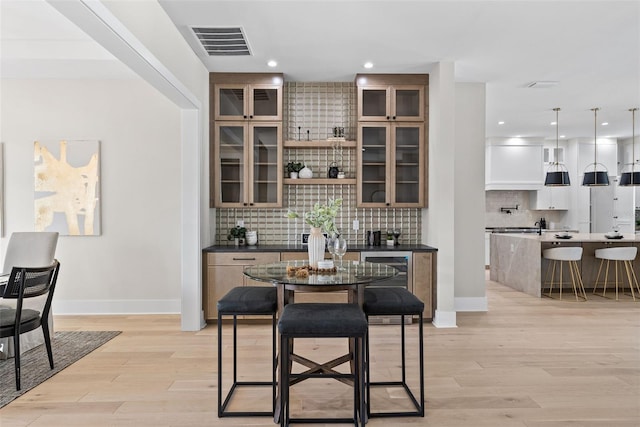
column 605, row 123
column 272, row 63
column 563, row 136
column 553, row 123
column 500, row 123
column 368, row 65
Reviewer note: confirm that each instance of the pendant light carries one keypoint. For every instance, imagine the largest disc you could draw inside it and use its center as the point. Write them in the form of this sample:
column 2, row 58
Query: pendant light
column 598, row 175
column 557, row 174
column 631, row 178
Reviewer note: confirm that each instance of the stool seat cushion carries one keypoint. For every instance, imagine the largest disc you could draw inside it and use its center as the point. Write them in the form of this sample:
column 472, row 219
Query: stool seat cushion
column 390, row 301
column 567, row 253
column 625, row 253
column 322, row 320
column 249, row 300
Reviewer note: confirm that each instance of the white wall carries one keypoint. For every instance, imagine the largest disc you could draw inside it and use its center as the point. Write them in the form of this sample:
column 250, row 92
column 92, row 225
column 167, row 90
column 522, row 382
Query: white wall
column 470, row 285
column 134, row 266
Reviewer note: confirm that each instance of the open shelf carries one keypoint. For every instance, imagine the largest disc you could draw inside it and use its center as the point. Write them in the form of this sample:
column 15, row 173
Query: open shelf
column 316, row 181
column 318, row 144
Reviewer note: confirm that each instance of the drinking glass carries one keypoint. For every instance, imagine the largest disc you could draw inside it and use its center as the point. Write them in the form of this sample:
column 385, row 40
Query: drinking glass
column 331, row 246
column 340, row 247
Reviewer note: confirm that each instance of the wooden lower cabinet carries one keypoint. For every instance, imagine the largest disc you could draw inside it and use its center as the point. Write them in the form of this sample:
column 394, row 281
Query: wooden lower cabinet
column 333, row 297
column 424, row 279
column 224, row 271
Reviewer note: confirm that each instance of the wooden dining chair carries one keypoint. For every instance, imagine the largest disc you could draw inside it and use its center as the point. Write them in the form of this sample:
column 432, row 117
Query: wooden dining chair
column 28, row 283
column 28, row 249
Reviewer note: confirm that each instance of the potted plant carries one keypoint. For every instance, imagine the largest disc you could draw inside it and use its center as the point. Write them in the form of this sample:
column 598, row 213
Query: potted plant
column 293, row 168
column 238, row 234
column 320, row 218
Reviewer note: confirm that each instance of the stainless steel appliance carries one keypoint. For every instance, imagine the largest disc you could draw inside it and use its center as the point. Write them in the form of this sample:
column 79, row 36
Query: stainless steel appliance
column 401, row 261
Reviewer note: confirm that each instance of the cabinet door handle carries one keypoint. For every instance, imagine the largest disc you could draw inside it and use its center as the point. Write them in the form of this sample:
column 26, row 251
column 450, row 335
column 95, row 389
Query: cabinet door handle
column 243, row 259
column 394, row 117
column 387, row 204
column 250, row 204
column 251, row 116
column 244, row 204
column 387, row 117
column 244, row 116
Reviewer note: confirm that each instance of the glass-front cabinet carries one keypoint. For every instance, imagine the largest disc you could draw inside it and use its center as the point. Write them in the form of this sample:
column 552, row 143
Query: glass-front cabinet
column 248, row 102
column 391, row 103
column 248, row 158
column 391, row 163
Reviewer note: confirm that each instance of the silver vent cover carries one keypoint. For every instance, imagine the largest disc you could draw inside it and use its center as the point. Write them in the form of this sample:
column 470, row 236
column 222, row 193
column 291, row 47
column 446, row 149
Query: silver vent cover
column 222, row 41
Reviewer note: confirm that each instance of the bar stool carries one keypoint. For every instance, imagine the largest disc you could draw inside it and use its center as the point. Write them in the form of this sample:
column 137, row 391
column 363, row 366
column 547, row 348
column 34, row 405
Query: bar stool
column 618, row 255
column 571, row 255
column 322, row 320
column 392, row 302
column 246, row 301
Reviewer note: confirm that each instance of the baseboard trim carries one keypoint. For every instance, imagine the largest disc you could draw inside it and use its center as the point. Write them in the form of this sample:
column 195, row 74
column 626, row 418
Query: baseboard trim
column 157, row 306
column 444, row 319
column 470, row 304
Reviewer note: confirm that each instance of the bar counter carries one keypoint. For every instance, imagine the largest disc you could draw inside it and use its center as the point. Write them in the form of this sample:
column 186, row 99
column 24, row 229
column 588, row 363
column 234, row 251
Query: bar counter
column 516, row 259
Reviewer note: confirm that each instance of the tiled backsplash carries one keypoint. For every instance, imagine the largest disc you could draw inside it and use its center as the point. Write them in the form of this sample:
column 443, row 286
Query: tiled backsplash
column 522, row 217
column 319, row 107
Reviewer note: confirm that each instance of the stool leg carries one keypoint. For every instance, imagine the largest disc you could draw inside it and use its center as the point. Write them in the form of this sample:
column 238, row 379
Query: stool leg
column 635, row 279
column 606, row 279
column 561, row 263
column 274, row 364
column 595, row 285
column 580, row 282
column 219, row 365
column 553, row 272
column 284, row 381
column 368, row 371
column 421, row 352
column 573, row 279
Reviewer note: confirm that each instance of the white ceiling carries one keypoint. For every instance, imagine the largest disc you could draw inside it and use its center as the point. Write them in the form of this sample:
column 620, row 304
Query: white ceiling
column 591, row 48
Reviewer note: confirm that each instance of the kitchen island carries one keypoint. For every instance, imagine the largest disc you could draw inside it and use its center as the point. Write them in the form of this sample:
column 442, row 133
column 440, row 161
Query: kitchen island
column 516, row 259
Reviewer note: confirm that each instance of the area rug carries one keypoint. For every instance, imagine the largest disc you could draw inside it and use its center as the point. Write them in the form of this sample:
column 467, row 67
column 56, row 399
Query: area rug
column 68, row 348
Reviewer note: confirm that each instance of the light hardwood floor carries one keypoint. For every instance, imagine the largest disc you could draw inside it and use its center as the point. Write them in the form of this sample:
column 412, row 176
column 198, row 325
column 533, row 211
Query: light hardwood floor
column 527, row 362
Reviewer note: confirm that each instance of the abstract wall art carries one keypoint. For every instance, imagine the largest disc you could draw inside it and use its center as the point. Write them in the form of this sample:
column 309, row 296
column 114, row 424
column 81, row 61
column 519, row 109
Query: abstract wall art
column 67, row 187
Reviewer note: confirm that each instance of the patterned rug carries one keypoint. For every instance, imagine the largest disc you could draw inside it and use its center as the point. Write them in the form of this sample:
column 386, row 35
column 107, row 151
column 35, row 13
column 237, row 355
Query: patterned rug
column 68, row 348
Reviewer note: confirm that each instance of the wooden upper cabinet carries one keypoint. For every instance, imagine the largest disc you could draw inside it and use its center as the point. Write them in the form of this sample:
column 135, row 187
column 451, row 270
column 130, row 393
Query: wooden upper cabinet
column 391, row 103
column 246, row 139
column 235, row 101
column 248, row 159
column 391, row 165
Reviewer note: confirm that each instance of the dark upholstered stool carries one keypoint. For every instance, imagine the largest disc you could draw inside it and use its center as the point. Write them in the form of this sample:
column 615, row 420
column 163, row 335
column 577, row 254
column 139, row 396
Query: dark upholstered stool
column 322, row 321
column 246, row 301
column 392, row 302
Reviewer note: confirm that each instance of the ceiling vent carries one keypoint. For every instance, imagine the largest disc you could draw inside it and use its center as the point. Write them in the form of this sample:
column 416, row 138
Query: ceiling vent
column 542, row 85
column 222, row 41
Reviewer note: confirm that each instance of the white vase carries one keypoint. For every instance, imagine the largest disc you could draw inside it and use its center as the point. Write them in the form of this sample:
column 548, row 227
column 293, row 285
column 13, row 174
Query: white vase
column 315, row 246
column 305, row 173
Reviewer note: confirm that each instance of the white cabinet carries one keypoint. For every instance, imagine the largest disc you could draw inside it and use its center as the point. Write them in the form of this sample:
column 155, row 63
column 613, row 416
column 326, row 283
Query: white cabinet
column 623, row 208
column 550, row 198
column 513, row 167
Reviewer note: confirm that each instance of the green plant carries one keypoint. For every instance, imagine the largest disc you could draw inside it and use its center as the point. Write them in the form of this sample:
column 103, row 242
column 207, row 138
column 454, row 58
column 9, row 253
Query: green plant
column 323, row 216
column 294, row 167
column 236, row 232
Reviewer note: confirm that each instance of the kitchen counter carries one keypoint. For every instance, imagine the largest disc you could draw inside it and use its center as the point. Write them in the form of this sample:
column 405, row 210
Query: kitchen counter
column 303, row 248
column 516, row 259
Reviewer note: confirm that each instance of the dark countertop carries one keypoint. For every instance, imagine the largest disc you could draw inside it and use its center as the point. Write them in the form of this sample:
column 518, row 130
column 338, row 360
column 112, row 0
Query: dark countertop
column 303, row 248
